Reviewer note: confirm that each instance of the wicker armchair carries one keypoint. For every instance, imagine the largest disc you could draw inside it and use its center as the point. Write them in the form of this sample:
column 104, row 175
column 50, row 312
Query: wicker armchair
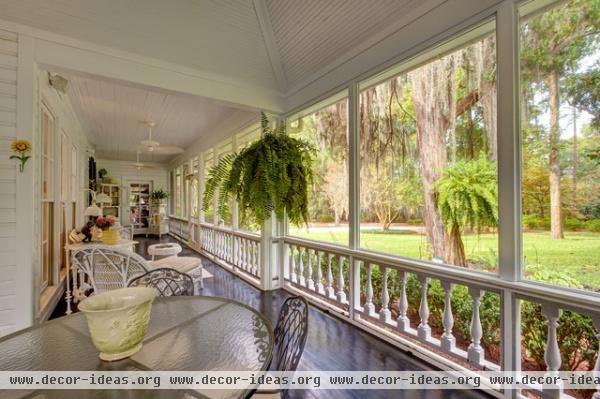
column 108, row 268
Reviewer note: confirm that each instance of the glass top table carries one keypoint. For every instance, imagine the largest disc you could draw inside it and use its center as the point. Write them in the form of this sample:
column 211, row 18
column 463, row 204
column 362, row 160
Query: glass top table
column 184, row 333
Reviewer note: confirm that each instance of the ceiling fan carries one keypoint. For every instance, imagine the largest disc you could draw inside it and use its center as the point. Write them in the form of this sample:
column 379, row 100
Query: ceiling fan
column 154, row 146
column 139, row 165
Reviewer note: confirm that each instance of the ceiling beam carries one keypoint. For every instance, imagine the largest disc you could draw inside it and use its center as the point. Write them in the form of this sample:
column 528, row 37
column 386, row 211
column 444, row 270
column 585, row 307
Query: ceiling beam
column 264, row 21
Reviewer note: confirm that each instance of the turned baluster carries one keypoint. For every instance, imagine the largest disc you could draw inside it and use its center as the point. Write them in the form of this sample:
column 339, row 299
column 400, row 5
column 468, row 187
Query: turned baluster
column 293, row 276
column 369, row 307
column 424, row 330
column 403, row 321
column 310, row 284
column 341, row 295
column 320, row 288
column 301, row 279
column 552, row 353
column 597, row 366
column 329, row 289
column 475, row 352
column 384, row 314
column 448, row 341
column 255, row 262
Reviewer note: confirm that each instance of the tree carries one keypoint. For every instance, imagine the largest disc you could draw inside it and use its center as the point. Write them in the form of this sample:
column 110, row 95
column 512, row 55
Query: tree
column 336, row 190
column 467, row 197
column 552, row 43
column 434, row 98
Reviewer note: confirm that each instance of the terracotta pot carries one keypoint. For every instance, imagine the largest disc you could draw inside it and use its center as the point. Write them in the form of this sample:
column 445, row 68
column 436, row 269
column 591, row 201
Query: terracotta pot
column 118, row 320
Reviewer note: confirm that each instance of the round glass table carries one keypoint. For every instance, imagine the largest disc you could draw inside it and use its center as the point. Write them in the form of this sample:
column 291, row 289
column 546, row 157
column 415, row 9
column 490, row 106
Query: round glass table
column 185, row 333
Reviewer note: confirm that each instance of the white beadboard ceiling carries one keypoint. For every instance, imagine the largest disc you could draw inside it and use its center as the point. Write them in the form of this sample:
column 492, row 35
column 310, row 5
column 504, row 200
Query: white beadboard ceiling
column 275, row 44
column 112, row 112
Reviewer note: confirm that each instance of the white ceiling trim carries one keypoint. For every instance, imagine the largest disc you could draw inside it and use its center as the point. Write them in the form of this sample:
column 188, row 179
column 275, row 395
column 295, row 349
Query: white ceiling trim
column 424, row 7
column 262, row 14
column 56, row 50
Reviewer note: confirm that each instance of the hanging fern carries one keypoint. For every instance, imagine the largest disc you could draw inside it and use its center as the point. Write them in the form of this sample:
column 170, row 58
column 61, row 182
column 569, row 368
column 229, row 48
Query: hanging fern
column 270, row 175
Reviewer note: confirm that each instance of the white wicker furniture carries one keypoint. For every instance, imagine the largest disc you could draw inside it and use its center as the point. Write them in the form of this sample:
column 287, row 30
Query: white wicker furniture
column 166, row 249
column 183, row 264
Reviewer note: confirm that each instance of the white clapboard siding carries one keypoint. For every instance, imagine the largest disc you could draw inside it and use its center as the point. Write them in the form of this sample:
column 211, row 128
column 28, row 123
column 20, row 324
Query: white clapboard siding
column 8, row 132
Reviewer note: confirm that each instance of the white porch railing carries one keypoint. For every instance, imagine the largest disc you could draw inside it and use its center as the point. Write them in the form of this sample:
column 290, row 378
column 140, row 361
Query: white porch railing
column 343, row 280
column 237, row 249
column 391, row 297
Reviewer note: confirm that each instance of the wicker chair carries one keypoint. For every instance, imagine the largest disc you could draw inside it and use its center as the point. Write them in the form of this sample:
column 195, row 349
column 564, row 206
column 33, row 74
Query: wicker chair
column 108, row 268
column 290, row 338
column 168, row 282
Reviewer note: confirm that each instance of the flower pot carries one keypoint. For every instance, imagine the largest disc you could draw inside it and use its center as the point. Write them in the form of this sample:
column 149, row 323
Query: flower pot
column 118, row 320
column 110, row 237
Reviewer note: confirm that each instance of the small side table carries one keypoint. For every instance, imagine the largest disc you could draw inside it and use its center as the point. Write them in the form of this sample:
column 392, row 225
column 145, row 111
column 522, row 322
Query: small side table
column 167, row 249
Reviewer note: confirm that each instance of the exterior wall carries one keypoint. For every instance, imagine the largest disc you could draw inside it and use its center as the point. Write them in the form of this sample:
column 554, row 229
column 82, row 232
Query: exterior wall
column 67, row 123
column 8, row 182
column 124, row 172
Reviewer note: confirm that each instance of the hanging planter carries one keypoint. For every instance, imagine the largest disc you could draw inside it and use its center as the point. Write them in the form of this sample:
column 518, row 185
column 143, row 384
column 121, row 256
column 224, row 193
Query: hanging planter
column 270, row 175
column 21, row 148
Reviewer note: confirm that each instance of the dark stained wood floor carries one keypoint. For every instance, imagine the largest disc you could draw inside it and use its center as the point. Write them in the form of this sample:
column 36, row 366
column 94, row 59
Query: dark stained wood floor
column 332, row 344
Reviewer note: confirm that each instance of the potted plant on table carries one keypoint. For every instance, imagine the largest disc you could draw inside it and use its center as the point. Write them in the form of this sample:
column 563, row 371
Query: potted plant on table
column 271, row 175
column 109, row 236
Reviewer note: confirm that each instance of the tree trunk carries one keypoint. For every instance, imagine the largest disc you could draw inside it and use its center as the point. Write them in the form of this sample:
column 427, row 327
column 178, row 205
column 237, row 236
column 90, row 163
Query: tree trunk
column 556, row 228
column 488, row 93
column 456, row 249
column 574, row 156
column 434, row 98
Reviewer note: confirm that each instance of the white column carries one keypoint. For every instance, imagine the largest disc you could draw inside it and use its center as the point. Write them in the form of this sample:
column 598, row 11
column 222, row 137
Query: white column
column 424, row 330
column 448, row 342
column 475, row 352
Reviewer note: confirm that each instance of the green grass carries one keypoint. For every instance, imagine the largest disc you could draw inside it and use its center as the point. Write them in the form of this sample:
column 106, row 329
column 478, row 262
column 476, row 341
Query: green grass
column 578, row 255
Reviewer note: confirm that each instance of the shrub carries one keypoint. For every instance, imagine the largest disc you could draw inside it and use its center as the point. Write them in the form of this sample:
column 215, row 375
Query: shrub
column 593, row 225
column 573, row 224
column 415, row 222
column 531, row 221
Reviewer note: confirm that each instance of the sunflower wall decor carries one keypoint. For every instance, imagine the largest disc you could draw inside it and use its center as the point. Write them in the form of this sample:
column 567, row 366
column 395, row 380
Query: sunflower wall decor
column 22, row 148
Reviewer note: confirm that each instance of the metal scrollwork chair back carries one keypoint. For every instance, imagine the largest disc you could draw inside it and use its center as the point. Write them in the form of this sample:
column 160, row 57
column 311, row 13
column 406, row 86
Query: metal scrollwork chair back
column 168, row 282
column 108, row 268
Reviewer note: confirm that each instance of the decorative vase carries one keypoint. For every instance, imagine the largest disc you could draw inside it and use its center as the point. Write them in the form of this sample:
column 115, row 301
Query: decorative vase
column 118, row 320
column 110, row 237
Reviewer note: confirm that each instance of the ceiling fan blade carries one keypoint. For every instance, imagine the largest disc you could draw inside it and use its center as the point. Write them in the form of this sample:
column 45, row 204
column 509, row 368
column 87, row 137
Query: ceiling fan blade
column 167, row 150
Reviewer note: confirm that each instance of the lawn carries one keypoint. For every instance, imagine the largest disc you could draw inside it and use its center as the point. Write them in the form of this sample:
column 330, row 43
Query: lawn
column 578, row 255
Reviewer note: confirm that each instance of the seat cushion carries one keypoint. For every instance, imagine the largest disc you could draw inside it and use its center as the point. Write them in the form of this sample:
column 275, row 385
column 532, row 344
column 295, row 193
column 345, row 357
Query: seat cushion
column 183, row 264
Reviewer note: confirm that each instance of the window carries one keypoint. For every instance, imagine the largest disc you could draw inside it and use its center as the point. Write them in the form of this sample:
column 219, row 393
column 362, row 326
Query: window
column 208, row 164
column 227, row 218
column 194, row 189
column 327, row 129
column 428, row 157
column 185, row 190
column 74, row 175
column 244, row 140
column 560, row 125
column 47, row 125
column 177, row 193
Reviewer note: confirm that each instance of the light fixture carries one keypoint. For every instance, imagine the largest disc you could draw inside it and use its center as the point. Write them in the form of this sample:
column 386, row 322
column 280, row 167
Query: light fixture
column 93, row 211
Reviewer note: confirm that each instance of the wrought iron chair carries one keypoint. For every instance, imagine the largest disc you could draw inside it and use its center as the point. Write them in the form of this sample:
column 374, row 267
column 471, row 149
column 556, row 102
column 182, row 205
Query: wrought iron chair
column 168, row 282
column 108, row 268
column 290, row 338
